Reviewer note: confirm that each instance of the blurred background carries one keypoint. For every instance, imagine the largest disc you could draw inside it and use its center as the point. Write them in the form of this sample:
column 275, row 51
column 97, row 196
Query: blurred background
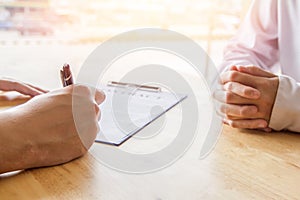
column 38, row 36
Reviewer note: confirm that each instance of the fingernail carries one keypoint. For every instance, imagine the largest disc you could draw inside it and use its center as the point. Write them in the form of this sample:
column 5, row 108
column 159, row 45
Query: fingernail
column 255, row 94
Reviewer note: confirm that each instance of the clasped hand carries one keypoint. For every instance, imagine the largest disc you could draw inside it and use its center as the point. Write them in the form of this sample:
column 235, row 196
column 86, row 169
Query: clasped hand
column 247, row 97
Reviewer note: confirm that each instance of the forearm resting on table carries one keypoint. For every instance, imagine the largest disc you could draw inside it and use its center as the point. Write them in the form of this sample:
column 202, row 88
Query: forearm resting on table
column 15, row 149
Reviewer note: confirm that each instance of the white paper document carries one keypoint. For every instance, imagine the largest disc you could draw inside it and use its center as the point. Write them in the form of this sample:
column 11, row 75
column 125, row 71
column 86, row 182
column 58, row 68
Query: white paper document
column 127, row 110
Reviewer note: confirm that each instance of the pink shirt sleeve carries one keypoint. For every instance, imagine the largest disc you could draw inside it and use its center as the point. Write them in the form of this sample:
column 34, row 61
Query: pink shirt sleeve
column 256, row 42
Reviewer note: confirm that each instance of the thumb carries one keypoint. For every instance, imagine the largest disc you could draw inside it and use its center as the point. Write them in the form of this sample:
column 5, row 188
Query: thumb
column 255, row 71
column 99, row 96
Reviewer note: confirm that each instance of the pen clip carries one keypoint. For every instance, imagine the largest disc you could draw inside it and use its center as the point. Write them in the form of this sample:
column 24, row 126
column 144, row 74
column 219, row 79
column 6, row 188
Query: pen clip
column 139, row 87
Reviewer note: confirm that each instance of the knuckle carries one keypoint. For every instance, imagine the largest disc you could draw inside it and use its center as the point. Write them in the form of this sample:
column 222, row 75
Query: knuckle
column 234, row 124
column 82, row 89
column 227, row 116
column 99, row 96
column 228, row 97
column 223, row 109
column 229, row 86
column 233, row 75
column 223, row 77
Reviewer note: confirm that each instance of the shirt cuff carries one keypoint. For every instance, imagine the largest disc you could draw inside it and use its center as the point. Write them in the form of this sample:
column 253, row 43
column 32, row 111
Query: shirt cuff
column 286, row 109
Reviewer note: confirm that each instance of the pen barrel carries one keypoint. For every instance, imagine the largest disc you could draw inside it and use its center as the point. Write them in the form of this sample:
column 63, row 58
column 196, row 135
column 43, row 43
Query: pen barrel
column 66, row 75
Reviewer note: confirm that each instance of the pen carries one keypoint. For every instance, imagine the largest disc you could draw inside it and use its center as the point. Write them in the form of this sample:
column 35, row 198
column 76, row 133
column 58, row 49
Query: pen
column 66, row 75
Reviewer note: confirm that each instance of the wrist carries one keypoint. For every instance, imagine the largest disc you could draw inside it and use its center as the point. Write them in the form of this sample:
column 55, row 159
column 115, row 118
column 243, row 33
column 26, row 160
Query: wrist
column 273, row 87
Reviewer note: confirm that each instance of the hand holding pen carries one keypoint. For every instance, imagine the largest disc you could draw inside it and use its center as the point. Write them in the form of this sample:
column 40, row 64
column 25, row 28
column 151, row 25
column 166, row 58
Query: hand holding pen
column 47, row 121
column 81, row 96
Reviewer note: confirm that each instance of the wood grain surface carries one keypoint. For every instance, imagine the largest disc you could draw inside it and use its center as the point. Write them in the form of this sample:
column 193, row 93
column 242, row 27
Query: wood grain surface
column 244, row 165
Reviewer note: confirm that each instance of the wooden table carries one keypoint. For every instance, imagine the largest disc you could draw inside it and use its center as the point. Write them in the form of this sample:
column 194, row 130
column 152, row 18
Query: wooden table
column 244, row 165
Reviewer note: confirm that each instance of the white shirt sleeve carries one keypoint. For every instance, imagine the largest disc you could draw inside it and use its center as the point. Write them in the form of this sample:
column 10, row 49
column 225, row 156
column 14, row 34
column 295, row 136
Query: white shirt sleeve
column 286, row 109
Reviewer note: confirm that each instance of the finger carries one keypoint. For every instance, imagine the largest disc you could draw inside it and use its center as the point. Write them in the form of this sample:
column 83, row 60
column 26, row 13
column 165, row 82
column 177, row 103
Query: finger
column 99, row 96
column 225, row 121
column 240, row 111
column 247, row 123
column 255, row 71
column 37, row 88
column 233, row 68
column 12, row 85
column 242, row 90
column 29, row 85
column 230, row 117
column 240, row 77
column 231, row 98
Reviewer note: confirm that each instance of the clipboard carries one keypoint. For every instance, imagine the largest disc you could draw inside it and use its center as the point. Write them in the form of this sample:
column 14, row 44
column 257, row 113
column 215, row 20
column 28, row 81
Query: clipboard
column 128, row 108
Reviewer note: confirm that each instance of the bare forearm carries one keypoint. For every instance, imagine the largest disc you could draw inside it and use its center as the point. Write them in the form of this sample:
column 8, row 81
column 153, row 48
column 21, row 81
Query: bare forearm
column 14, row 149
